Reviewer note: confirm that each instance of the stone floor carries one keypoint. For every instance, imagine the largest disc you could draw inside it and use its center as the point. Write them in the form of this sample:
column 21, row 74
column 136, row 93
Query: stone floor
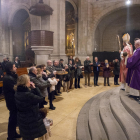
column 68, row 106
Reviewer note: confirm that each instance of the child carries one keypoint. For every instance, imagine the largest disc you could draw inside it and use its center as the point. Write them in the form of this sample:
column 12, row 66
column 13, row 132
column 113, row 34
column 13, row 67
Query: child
column 53, row 81
column 106, row 73
column 47, row 123
column 66, row 83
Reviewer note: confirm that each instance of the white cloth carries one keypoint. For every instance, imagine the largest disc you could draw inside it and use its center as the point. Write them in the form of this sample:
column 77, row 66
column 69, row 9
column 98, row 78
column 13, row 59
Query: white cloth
column 47, row 123
column 53, row 82
column 122, row 85
column 134, row 92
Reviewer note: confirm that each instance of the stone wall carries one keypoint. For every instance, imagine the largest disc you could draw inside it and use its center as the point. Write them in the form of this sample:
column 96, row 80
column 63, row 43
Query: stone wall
column 93, row 35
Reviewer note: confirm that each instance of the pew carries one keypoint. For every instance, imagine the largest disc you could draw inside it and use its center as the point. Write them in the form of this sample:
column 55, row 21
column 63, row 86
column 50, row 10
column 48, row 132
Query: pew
column 1, row 83
column 20, row 71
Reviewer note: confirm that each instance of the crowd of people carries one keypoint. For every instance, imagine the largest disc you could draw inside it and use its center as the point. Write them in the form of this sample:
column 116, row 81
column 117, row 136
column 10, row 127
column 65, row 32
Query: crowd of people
column 26, row 95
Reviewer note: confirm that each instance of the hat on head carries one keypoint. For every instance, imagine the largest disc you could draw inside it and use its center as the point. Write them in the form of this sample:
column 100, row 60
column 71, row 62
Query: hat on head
column 126, row 38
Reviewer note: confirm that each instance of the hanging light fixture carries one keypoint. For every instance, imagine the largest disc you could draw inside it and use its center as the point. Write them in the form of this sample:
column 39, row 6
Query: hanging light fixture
column 40, row 9
column 128, row 2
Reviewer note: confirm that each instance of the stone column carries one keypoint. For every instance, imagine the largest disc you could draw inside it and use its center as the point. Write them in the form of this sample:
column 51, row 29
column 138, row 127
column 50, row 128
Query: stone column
column 42, row 53
column 11, row 44
column 62, row 30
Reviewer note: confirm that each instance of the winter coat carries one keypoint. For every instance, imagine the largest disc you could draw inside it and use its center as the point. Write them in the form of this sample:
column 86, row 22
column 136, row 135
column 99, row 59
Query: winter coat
column 44, row 91
column 106, row 72
column 29, row 119
column 116, row 70
column 10, row 79
column 87, row 66
column 38, row 83
column 66, row 77
column 78, row 71
column 1, row 74
column 72, row 70
column 95, row 66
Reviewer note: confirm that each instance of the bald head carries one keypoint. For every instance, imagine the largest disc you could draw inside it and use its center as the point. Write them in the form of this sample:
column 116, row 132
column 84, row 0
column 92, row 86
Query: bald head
column 137, row 43
column 56, row 62
column 33, row 70
column 87, row 58
column 49, row 63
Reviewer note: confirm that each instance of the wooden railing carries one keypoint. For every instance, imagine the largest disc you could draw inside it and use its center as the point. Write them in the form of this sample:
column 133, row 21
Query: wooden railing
column 20, row 71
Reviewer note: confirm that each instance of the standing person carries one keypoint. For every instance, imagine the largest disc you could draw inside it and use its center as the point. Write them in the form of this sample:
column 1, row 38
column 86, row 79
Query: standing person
column 47, row 123
column 42, row 85
column 3, row 64
column 133, row 63
column 17, row 62
column 58, row 68
column 52, row 90
column 61, row 63
column 96, row 70
column 9, row 81
column 71, row 58
column 106, row 72
column 116, row 71
column 127, row 51
column 87, row 70
column 1, row 77
column 72, row 69
column 78, row 72
column 66, row 78
column 30, row 122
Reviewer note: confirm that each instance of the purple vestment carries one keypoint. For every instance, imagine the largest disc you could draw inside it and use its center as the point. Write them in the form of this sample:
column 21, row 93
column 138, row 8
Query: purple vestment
column 133, row 63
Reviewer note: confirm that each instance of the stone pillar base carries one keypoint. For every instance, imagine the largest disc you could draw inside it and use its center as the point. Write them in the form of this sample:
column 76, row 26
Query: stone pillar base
column 42, row 54
column 41, row 59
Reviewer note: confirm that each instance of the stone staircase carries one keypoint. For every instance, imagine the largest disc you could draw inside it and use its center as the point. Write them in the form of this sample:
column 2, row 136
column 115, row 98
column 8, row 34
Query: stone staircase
column 110, row 115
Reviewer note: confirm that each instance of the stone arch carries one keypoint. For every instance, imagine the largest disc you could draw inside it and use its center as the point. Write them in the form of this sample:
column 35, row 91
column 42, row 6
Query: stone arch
column 15, row 10
column 107, row 11
column 74, row 6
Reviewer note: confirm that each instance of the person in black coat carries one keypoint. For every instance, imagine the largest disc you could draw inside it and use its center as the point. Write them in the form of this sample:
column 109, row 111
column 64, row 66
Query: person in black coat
column 1, row 77
column 17, row 62
column 72, row 69
column 29, row 119
column 96, row 70
column 61, row 63
column 9, row 81
column 87, row 70
column 3, row 64
column 66, row 79
column 78, row 72
column 116, row 71
column 71, row 58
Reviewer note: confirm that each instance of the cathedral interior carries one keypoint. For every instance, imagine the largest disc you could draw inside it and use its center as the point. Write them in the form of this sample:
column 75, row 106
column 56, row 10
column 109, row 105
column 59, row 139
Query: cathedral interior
column 36, row 31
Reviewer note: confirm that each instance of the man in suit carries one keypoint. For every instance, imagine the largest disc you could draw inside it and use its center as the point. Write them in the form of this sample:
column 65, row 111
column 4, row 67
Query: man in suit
column 96, row 70
column 17, row 62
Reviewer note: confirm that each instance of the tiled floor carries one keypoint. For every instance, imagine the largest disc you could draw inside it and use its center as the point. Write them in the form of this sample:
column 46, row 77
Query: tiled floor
column 68, row 106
